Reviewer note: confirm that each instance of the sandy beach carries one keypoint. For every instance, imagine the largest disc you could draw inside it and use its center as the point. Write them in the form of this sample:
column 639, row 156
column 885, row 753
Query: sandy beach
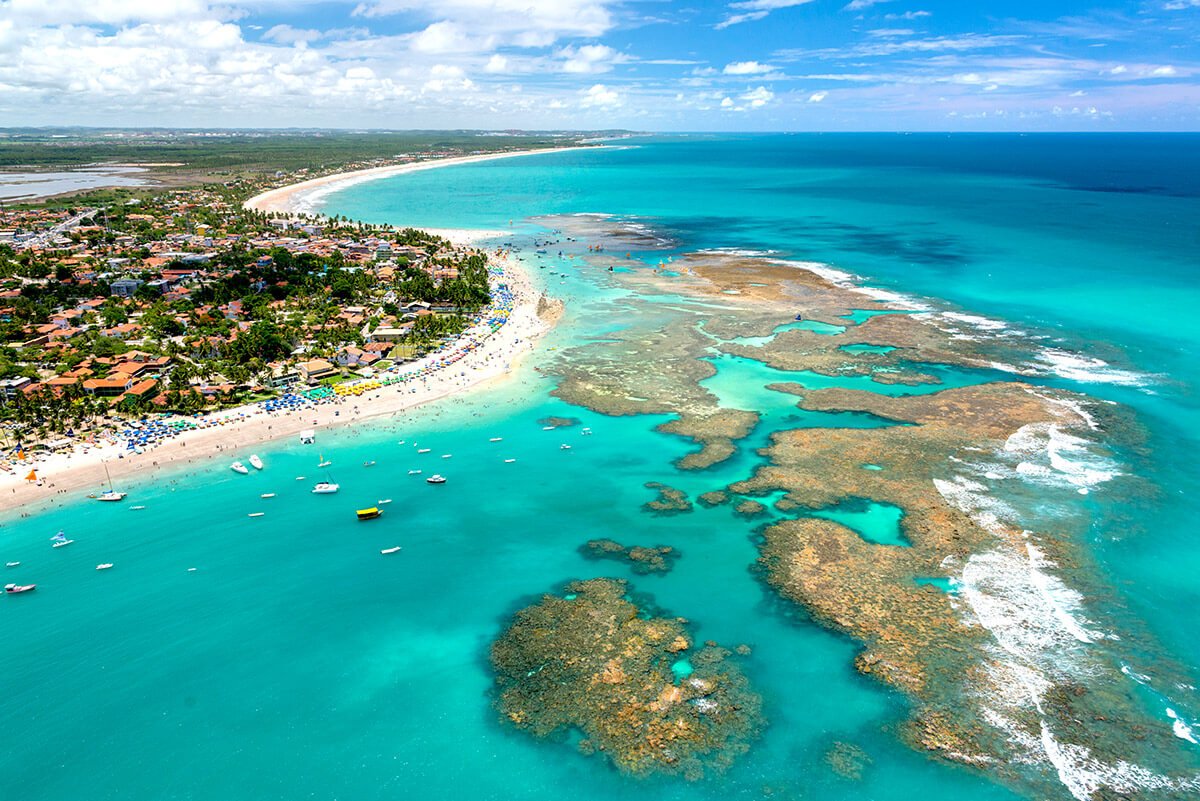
column 484, row 357
column 299, row 198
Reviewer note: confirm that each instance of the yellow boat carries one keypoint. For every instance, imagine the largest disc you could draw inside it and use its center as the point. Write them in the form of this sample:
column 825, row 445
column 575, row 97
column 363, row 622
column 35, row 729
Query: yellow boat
column 369, row 514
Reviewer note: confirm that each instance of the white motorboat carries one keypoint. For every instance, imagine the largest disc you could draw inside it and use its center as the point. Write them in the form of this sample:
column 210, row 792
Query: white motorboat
column 369, row 463
column 240, row 468
column 255, row 462
column 267, row 495
column 509, row 461
column 390, row 550
column 136, row 508
column 414, row 472
column 436, row 479
column 256, row 514
column 447, row 455
column 383, row 501
column 548, row 428
column 325, row 488
column 424, row 450
column 308, row 437
column 62, row 543
column 496, row 439
column 586, row 432
column 564, row 447
column 11, row 564
column 104, row 566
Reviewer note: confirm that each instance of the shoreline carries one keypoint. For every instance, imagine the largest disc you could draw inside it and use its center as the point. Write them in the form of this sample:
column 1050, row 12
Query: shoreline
column 483, row 359
column 288, row 199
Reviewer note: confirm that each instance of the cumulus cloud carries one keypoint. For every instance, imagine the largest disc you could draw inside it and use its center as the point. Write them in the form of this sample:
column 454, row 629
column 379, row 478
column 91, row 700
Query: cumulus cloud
column 757, row 98
column 589, row 59
column 817, row 97
column 747, row 68
column 599, row 96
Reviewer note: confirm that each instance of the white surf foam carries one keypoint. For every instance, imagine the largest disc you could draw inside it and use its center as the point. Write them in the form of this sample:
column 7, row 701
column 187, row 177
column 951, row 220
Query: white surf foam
column 1087, row 369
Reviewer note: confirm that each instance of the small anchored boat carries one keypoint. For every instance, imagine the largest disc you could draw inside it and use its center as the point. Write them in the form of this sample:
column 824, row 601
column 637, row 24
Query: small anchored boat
column 240, row 468
column 255, row 462
column 104, row 566
column 509, row 461
column 60, row 540
column 386, row 551
column 324, row 462
column 447, row 455
column 424, row 450
column 325, row 488
column 548, row 428
column 383, row 502
column 11, row 564
column 370, row 463
column 496, row 439
column 414, row 472
column 13, row 589
column 436, row 479
column 267, row 495
column 136, row 508
column 564, row 447
column 112, row 496
column 256, row 514
column 369, row 514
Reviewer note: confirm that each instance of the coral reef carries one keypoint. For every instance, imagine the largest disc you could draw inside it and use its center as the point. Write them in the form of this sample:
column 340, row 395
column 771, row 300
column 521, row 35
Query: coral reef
column 595, row 663
column 658, row 559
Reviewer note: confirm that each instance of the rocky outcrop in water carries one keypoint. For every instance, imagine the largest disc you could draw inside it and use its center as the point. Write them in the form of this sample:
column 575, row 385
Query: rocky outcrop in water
column 633, row 684
column 658, row 559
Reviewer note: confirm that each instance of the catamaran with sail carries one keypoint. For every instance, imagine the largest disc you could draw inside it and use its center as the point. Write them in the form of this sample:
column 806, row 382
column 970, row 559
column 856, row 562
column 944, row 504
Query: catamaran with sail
column 112, row 496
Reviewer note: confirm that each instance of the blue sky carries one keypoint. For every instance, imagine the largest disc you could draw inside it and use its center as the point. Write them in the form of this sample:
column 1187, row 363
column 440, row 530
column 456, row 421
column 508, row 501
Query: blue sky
column 743, row 65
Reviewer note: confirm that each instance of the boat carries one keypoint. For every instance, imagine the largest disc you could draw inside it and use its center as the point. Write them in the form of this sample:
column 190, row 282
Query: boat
column 62, row 543
column 13, row 589
column 414, row 472
column 564, row 447
column 383, row 502
column 496, row 439
column 401, row 442
column 390, row 550
column 324, row 462
column 308, row 436
column 238, row 467
column 436, row 479
column 11, row 564
column 112, row 496
column 267, row 495
column 60, row 540
column 325, row 488
column 301, row 478
column 424, row 450
column 548, row 428
column 447, row 455
column 509, row 461
column 255, row 462
column 256, row 514
column 587, row 432
column 136, row 508
column 369, row 513
column 104, row 566
column 370, row 463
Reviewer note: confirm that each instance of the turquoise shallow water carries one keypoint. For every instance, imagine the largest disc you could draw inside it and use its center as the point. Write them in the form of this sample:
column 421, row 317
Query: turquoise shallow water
column 296, row 661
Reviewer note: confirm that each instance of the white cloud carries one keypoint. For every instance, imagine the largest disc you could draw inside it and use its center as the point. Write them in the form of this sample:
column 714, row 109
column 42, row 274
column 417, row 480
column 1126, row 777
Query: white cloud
column 757, row 98
column 524, row 23
column 752, row 10
column 589, row 59
column 817, row 97
column 286, row 34
column 859, row 5
column 727, row 102
column 1164, row 72
column 496, row 64
column 747, row 68
column 599, row 96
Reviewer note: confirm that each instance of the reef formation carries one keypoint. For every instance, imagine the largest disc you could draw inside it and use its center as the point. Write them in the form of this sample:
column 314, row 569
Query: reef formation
column 633, row 685
column 657, row 559
column 971, row 614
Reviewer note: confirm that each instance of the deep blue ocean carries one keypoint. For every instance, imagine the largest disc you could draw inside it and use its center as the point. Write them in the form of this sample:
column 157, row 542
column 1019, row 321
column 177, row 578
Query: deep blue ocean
column 296, row 662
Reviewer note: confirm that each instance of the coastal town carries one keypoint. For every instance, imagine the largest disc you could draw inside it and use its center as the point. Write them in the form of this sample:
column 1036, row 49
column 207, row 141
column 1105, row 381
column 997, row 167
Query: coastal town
column 137, row 321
